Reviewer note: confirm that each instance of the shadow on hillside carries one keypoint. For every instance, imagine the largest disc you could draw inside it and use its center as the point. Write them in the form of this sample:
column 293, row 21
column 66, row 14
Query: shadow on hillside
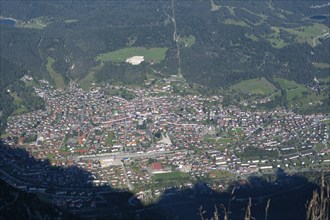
column 288, row 196
column 67, row 190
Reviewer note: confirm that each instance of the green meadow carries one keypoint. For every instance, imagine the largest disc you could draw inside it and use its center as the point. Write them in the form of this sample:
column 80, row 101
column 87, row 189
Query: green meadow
column 259, row 86
column 58, row 79
column 308, row 34
column 155, row 55
column 236, row 22
column 287, row 84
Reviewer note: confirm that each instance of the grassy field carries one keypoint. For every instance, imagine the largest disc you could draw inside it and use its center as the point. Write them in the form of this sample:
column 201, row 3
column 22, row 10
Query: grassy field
column 262, row 16
column 4, row 135
column 314, row 97
column 123, row 93
column 224, row 140
column 214, row 7
column 109, row 141
column 69, row 21
column 35, row 23
column 259, row 86
column 252, row 37
column 155, row 55
column 322, row 65
column 19, row 107
column 308, row 34
column 280, row 15
column 239, row 131
column 58, row 79
column 275, row 38
column 287, row 84
column 220, row 174
column 236, row 22
column 326, row 79
column 296, row 92
column 170, row 176
column 299, row 96
column 326, row 122
column 21, row 110
column 231, row 10
column 17, row 100
column 50, row 156
column 305, row 34
column 86, row 82
column 305, row 98
column 319, row 147
column 210, row 139
column 188, row 41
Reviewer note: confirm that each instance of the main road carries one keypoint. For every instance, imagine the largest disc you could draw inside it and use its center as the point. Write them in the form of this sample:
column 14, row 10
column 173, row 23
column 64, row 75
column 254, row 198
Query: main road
column 123, row 155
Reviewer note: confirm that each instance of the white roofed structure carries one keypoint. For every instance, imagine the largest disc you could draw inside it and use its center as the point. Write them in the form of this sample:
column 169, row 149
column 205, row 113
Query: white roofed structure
column 135, row 60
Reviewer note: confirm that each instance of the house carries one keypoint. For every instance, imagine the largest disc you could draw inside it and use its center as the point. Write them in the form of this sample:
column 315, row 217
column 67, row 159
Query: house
column 156, row 166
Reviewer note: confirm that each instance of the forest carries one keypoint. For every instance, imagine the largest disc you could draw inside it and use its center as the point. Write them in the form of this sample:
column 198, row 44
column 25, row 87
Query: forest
column 240, row 40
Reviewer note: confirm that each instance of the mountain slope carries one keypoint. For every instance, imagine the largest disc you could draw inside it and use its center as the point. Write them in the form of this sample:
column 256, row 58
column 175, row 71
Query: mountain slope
column 228, row 40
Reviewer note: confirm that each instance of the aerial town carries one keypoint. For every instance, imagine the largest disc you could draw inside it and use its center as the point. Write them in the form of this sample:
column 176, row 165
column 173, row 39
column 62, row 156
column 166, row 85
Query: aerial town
column 147, row 140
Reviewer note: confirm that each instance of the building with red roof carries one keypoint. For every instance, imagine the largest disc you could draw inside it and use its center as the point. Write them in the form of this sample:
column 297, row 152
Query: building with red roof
column 156, row 166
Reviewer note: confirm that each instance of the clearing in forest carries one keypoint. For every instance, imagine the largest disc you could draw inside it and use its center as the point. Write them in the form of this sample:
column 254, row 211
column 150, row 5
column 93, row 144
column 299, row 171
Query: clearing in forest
column 58, row 79
column 259, row 86
column 152, row 55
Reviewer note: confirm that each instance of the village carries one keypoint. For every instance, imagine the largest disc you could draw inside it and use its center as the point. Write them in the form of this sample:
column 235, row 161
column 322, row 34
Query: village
column 150, row 142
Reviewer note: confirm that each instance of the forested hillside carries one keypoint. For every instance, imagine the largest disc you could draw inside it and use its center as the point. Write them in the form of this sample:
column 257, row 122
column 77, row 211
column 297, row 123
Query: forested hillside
column 15, row 95
column 214, row 43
